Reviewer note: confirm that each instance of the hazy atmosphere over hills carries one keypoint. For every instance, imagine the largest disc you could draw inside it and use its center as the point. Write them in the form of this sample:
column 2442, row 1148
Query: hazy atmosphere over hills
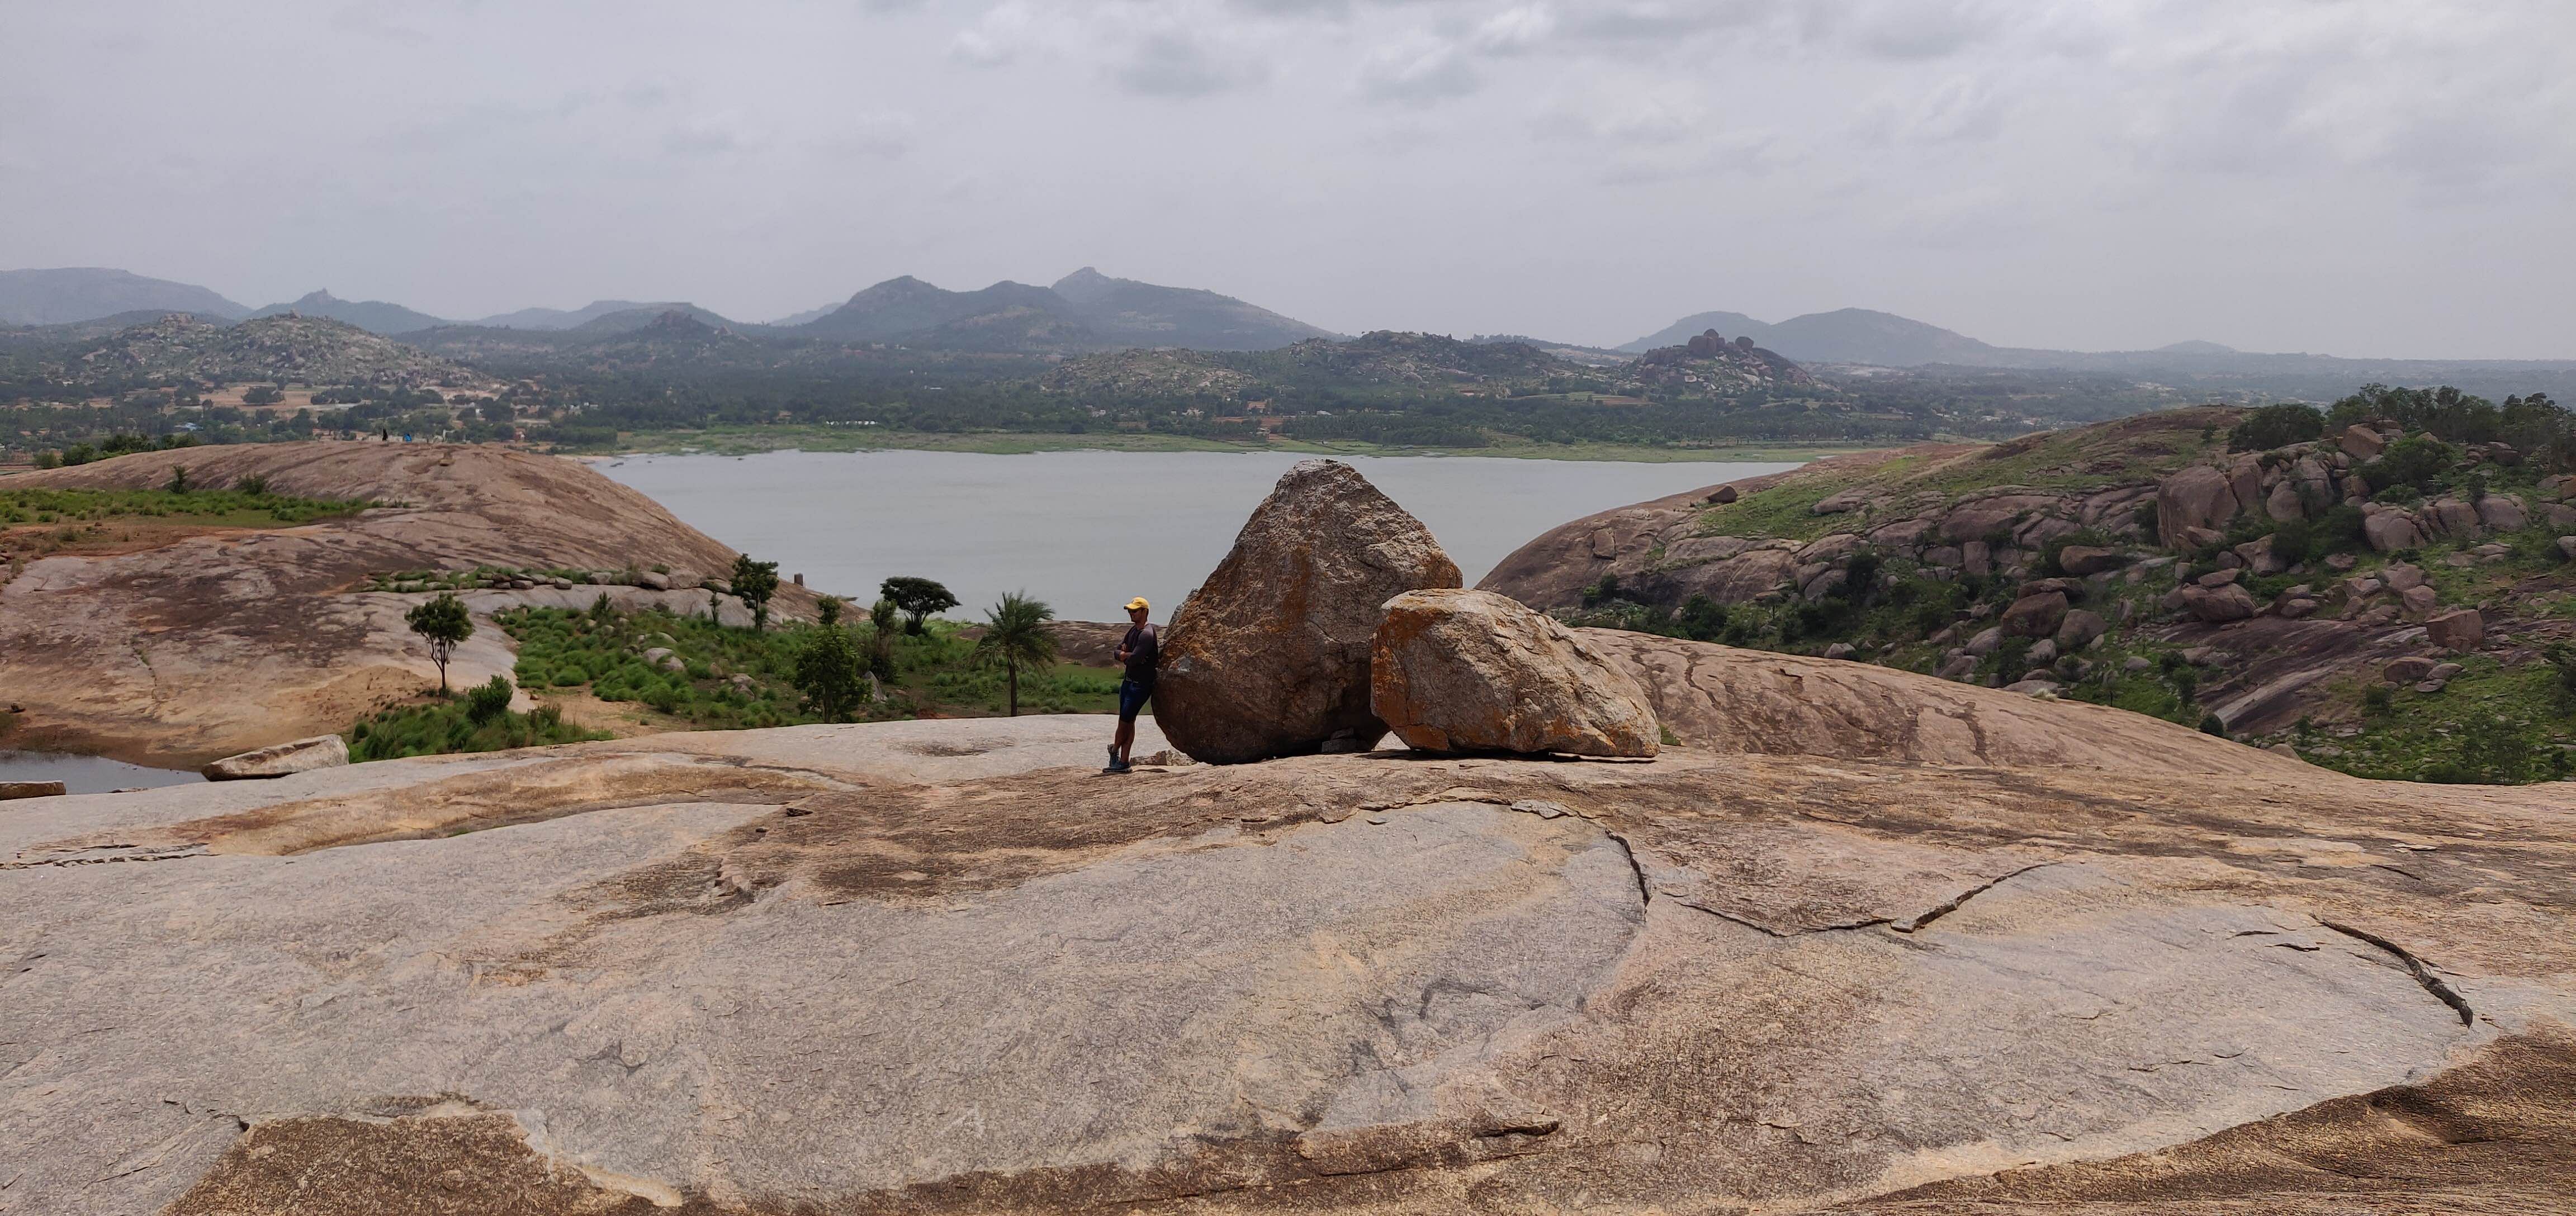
column 2111, row 176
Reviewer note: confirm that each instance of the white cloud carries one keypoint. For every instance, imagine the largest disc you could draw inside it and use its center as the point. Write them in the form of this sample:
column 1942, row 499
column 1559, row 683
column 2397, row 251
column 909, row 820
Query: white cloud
column 1418, row 70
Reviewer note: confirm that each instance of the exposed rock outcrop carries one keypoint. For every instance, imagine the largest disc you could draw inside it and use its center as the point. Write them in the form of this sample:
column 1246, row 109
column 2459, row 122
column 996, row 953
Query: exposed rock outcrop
column 1270, row 656
column 281, row 759
column 1457, row 670
column 1362, row 984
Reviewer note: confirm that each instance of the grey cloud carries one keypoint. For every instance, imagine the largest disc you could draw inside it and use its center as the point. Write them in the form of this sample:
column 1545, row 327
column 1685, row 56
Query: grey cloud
column 1176, row 63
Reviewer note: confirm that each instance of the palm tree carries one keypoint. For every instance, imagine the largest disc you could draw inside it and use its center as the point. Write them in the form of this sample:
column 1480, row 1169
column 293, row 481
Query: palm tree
column 1015, row 636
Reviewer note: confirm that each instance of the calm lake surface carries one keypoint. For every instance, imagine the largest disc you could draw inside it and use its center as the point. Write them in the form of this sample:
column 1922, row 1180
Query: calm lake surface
column 1086, row 530
column 87, row 774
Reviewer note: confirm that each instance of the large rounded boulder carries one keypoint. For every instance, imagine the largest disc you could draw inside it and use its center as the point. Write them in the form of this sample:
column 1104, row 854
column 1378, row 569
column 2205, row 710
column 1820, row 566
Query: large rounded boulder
column 1270, row 656
column 1472, row 671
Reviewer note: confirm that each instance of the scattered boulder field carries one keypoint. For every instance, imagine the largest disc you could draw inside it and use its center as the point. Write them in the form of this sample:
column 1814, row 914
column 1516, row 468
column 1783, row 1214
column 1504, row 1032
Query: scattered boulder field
column 2141, row 562
column 1812, row 935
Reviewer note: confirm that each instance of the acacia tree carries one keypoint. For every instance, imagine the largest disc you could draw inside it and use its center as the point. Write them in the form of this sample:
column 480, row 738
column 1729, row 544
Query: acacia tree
column 918, row 598
column 445, row 624
column 1015, row 636
column 755, row 582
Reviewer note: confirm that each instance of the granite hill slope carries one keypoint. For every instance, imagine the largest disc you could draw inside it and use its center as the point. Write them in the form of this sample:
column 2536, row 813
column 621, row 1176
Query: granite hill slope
column 198, row 646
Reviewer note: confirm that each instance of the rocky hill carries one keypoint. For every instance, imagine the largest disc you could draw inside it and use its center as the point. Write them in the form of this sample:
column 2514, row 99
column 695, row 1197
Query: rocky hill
column 1085, row 310
column 315, row 350
column 2396, row 616
column 1710, row 366
column 186, row 646
column 1852, row 939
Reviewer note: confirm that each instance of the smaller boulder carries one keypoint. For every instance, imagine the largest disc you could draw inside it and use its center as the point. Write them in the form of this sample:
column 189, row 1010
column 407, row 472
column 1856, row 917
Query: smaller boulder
column 2218, row 604
column 2407, row 670
column 2035, row 616
column 11, row 791
column 2390, row 531
column 2135, row 663
column 2567, row 547
column 2089, row 559
column 2079, row 629
column 2418, row 600
column 281, row 759
column 2362, row 443
column 2458, row 629
column 1986, row 641
column 1957, row 667
column 2402, row 575
column 653, row 580
column 2502, row 514
column 2295, row 607
column 1723, row 496
column 1839, row 650
column 2220, row 578
column 2043, row 651
column 1458, row 670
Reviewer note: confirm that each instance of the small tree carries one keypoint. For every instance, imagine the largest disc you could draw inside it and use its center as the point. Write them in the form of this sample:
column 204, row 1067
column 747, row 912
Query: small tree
column 918, row 598
column 444, row 622
column 1015, row 636
column 178, row 479
column 755, row 582
column 828, row 610
column 882, row 625
column 827, row 672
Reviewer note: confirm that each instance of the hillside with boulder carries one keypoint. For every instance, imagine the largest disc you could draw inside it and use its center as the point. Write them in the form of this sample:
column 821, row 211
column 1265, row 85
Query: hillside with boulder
column 185, row 646
column 2362, row 595
column 1849, row 939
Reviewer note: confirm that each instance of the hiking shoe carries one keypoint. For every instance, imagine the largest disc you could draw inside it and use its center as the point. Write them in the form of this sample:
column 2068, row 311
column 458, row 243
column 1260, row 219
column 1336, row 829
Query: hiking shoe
column 1117, row 767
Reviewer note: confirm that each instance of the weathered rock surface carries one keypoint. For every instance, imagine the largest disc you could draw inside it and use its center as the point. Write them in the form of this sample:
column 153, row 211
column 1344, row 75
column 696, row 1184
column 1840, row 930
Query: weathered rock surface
column 281, row 759
column 1457, row 670
column 2459, row 629
column 1270, row 656
column 2036, row 615
column 11, row 791
column 235, row 639
column 2225, row 602
column 938, row 966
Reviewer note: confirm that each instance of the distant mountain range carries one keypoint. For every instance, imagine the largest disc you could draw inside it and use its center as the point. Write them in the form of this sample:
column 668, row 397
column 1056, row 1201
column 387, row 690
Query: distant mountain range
column 1086, row 310
column 60, row 297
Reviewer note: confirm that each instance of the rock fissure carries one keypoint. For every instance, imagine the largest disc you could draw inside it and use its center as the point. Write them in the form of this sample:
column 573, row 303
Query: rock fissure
column 2415, row 967
column 1915, row 923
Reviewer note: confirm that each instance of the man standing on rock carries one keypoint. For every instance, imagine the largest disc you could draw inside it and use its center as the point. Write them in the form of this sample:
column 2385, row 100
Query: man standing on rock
column 1138, row 651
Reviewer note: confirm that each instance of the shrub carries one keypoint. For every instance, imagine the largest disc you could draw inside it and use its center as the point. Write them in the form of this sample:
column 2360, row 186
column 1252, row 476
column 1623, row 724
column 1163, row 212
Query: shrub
column 2414, row 463
column 1700, row 619
column 489, row 700
column 2276, row 426
column 2378, row 699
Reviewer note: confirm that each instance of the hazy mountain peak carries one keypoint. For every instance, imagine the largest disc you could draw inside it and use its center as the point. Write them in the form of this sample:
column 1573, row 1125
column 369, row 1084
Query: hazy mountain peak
column 2196, row 346
column 374, row 316
column 84, row 293
column 1088, row 285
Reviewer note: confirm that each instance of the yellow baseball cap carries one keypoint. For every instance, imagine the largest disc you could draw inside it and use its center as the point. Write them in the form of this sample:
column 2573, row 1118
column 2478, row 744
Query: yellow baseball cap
column 1138, row 602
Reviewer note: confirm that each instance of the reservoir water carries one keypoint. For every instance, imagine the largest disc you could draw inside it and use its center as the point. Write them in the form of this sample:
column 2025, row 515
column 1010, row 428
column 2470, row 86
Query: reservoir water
column 87, row 774
column 1086, row 530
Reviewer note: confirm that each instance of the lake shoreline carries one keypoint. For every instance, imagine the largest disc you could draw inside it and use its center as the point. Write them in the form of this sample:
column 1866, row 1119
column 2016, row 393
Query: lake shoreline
column 748, row 441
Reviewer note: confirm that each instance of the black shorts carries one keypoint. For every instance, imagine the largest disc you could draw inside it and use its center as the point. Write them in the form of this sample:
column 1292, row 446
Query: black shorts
column 1132, row 697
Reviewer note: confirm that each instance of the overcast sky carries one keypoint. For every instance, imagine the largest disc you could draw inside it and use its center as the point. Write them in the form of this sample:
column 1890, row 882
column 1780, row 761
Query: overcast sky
column 2360, row 177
